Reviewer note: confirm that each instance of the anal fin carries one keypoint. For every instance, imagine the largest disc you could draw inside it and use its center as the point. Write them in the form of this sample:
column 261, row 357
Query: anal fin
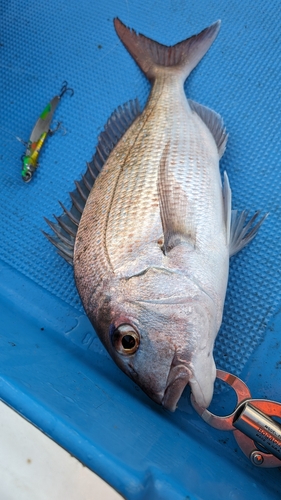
column 227, row 197
column 214, row 122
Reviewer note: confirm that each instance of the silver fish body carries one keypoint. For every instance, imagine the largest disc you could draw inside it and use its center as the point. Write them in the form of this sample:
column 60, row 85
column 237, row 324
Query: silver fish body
column 151, row 254
column 174, row 299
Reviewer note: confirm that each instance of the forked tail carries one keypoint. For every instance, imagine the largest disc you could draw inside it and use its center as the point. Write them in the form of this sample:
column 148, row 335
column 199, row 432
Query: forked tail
column 151, row 55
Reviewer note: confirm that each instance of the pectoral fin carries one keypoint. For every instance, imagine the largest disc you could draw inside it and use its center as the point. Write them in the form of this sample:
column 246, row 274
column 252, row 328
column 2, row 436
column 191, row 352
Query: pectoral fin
column 175, row 207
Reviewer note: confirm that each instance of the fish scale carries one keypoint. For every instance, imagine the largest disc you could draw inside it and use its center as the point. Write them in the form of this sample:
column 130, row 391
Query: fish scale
column 128, row 204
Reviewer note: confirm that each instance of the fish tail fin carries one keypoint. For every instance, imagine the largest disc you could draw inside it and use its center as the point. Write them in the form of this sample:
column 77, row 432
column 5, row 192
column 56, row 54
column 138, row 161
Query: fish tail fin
column 151, row 55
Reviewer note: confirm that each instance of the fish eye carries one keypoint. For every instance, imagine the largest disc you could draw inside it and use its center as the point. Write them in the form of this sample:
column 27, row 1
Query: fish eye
column 126, row 340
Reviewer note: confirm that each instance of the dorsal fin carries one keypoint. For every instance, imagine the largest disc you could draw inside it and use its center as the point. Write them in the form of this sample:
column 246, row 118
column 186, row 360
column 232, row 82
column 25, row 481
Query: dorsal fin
column 214, row 123
column 67, row 224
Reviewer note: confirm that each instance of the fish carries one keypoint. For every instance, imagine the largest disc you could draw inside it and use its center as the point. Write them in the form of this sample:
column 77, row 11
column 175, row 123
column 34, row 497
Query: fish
column 151, row 230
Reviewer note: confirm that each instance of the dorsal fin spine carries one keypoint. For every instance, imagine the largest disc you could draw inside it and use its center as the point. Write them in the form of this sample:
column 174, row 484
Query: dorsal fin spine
column 80, row 191
column 69, row 214
column 88, row 186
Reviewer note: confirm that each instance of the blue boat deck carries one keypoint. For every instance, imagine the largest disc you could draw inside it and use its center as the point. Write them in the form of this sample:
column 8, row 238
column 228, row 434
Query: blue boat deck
column 53, row 369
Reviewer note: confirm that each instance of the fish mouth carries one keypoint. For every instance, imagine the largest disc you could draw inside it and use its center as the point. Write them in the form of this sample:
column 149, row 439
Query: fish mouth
column 178, row 379
column 183, row 373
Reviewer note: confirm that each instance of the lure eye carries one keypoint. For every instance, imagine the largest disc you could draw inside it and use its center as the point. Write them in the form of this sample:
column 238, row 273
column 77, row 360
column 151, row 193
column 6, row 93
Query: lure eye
column 126, row 340
column 26, row 176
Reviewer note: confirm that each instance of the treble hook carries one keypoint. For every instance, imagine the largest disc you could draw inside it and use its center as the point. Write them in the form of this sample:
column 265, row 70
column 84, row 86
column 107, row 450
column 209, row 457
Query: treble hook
column 64, row 89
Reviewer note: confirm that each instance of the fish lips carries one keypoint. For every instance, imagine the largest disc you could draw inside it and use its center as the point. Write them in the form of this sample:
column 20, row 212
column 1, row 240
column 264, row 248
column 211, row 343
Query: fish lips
column 178, row 379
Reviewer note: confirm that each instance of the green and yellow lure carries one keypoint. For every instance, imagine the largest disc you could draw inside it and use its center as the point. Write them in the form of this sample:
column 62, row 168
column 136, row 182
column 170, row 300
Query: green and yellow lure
column 39, row 134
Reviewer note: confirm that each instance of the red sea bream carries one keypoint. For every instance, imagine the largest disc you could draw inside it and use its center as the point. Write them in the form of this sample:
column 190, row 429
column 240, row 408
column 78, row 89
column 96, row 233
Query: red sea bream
column 155, row 229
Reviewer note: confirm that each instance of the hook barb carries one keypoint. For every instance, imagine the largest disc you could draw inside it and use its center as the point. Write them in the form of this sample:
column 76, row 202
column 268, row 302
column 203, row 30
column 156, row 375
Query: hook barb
column 65, row 89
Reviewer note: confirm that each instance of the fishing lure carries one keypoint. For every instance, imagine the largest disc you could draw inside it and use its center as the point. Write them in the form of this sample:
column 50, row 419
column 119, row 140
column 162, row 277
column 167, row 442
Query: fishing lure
column 39, row 135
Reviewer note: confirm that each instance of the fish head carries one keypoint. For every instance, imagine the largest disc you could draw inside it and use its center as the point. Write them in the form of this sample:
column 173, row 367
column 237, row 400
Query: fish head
column 160, row 330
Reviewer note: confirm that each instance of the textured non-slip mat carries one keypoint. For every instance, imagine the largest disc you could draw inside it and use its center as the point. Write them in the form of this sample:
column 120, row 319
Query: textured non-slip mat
column 44, row 43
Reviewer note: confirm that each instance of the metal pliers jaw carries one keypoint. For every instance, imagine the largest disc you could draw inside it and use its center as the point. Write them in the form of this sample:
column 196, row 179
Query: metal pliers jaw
column 257, row 434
